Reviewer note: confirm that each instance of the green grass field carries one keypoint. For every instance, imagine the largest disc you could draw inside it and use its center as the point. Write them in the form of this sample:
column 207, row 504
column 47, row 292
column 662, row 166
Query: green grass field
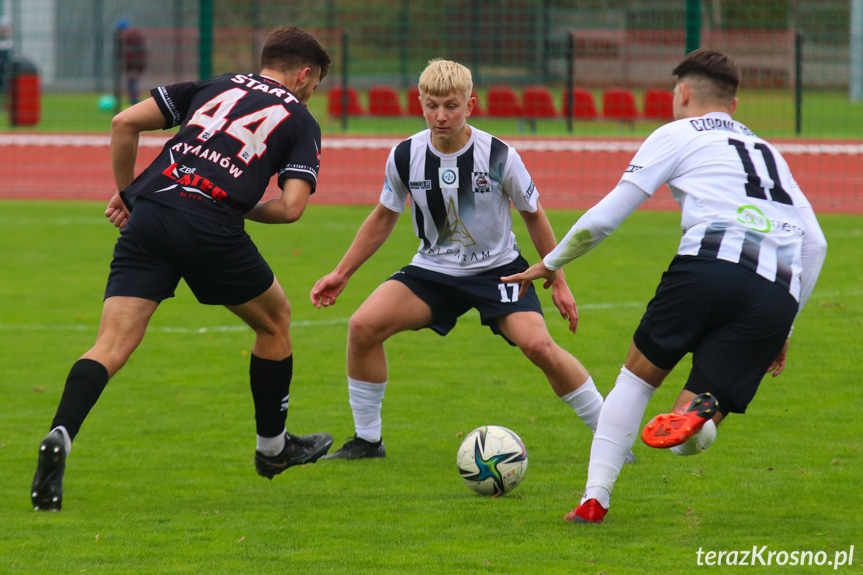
column 826, row 115
column 161, row 478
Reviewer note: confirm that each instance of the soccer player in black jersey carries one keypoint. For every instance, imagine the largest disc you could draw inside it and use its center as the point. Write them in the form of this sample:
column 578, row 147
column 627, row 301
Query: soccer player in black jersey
column 236, row 132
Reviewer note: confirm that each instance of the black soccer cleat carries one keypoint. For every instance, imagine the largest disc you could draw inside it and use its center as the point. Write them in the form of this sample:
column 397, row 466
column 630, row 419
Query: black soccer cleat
column 299, row 449
column 46, row 493
column 359, row 448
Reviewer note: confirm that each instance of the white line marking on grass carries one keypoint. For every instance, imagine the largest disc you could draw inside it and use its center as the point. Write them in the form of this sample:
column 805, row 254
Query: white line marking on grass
column 342, row 320
column 241, row 328
column 164, row 328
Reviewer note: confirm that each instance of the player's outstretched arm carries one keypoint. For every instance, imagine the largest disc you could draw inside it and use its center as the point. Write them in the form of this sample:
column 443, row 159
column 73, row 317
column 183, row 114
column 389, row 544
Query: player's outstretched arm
column 542, row 236
column 370, row 237
column 534, row 272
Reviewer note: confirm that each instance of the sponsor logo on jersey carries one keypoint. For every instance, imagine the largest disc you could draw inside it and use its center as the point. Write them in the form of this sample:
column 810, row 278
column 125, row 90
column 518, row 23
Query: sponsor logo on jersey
column 186, row 178
column 455, row 229
column 753, row 218
column 448, row 177
column 421, row 185
column 632, row 169
column 481, row 182
column 207, row 154
column 530, row 190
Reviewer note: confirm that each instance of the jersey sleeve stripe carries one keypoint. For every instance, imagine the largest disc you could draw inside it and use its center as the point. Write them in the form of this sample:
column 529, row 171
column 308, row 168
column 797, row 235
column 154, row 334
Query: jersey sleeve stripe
column 402, row 159
column 168, row 106
column 301, row 170
column 497, row 159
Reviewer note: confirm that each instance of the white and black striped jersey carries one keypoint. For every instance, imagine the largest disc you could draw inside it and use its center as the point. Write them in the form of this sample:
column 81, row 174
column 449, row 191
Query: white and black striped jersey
column 236, row 132
column 461, row 202
column 738, row 198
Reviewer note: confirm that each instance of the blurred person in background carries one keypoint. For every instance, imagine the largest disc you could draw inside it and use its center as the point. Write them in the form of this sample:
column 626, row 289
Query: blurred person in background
column 5, row 52
column 131, row 57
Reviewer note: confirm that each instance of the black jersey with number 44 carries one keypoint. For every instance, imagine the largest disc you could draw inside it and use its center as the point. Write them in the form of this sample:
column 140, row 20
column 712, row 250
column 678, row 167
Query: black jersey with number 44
column 236, row 132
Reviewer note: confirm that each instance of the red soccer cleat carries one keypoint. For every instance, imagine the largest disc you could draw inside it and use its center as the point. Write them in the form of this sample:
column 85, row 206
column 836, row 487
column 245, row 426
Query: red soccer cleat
column 588, row 512
column 670, row 429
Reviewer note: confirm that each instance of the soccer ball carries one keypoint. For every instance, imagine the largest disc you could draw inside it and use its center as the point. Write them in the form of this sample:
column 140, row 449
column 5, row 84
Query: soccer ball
column 492, row 460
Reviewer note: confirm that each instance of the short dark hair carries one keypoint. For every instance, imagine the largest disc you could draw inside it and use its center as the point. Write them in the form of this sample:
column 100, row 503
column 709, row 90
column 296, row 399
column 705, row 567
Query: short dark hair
column 719, row 68
column 291, row 47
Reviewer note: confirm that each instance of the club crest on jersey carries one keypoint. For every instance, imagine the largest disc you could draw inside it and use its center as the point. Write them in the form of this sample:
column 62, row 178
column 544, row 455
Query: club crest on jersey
column 481, row 182
column 448, row 177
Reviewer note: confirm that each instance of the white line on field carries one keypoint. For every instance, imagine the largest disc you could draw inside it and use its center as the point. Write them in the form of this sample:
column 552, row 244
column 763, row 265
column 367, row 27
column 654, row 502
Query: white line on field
column 344, row 320
column 240, row 328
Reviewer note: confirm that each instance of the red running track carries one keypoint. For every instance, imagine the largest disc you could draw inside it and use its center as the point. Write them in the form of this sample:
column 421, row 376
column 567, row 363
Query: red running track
column 571, row 174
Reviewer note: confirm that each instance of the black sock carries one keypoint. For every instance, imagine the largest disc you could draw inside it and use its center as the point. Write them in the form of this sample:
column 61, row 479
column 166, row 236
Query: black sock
column 85, row 383
column 271, row 383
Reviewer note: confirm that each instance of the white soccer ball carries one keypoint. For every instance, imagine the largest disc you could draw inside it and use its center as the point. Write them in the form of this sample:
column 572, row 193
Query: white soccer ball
column 492, row 460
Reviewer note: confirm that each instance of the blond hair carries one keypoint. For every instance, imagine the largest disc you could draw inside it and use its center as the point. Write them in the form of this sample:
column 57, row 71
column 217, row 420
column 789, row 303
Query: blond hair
column 444, row 77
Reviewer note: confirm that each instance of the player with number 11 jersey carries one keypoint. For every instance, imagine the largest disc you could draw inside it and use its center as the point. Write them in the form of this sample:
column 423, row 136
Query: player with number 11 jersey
column 738, row 199
column 751, row 252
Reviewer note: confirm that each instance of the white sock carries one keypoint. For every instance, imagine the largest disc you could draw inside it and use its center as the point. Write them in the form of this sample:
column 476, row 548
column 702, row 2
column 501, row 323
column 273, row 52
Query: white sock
column 271, row 446
column 619, row 423
column 67, row 441
column 699, row 442
column 366, row 402
column 586, row 401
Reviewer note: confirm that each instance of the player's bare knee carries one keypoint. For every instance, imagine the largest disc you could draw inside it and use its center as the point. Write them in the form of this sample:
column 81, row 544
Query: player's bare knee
column 274, row 327
column 540, row 351
column 362, row 332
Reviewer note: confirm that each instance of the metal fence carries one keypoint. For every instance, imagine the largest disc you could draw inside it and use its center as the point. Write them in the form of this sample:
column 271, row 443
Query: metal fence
column 627, row 42
column 782, row 45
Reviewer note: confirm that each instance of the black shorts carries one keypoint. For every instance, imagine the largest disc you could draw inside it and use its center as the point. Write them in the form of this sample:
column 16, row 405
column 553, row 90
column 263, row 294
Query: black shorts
column 160, row 245
column 733, row 321
column 451, row 296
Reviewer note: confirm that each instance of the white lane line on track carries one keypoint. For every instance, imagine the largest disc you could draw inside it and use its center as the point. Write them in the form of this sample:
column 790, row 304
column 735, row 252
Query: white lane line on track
column 385, row 143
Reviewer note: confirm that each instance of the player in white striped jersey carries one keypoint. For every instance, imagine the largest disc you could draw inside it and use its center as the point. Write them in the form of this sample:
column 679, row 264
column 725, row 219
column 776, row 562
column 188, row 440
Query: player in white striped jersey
column 749, row 258
column 462, row 182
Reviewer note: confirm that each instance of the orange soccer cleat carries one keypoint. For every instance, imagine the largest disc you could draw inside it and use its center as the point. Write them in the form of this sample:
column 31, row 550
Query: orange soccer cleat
column 670, row 429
